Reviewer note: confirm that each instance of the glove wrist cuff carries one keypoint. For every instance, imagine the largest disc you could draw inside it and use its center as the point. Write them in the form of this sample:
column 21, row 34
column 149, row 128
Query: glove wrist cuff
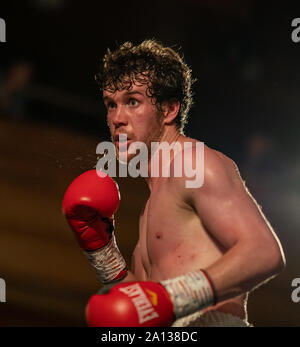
column 190, row 292
column 108, row 262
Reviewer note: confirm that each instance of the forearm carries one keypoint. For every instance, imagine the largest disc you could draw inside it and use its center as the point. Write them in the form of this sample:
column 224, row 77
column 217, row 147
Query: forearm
column 243, row 268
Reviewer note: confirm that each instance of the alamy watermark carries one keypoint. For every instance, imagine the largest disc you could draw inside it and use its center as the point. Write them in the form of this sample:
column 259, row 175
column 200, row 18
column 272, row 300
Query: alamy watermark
column 187, row 162
column 296, row 292
column 2, row 290
column 2, row 30
column 296, row 32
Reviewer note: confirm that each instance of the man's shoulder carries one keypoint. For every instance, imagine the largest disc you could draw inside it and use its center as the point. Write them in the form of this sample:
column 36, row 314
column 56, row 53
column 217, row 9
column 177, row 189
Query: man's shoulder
column 220, row 171
column 191, row 144
column 215, row 165
column 213, row 158
column 216, row 160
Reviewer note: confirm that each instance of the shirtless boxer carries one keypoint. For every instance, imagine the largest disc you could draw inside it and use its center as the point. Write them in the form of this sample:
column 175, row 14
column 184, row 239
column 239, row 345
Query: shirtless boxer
column 200, row 250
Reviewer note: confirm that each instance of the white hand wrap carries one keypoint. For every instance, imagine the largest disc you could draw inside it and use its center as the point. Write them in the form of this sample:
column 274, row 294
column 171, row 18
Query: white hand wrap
column 107, row 261
column 190, row 293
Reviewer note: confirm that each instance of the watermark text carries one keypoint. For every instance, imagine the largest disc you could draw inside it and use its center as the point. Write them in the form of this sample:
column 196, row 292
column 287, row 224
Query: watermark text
column 296, row 292
column 2, row 30
column 296, row 32
column 2, row 290
column 156, row 161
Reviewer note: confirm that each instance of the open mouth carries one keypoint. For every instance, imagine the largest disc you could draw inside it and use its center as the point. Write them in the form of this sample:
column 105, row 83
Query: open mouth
column 122, row 141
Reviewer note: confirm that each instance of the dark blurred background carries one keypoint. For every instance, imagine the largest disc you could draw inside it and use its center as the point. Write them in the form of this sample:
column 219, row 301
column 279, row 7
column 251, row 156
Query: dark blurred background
column 51, row 119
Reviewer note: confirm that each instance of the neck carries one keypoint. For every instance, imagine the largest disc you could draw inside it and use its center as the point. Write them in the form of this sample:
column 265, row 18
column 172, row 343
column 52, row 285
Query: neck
column 169, row 136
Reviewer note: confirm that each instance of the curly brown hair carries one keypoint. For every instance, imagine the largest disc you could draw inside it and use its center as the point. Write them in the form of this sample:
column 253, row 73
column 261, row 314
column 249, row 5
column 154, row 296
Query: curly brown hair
column 159, row 67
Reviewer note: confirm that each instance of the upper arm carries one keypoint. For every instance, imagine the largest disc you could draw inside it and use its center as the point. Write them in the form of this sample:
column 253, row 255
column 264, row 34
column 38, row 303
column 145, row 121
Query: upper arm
column 224, row 205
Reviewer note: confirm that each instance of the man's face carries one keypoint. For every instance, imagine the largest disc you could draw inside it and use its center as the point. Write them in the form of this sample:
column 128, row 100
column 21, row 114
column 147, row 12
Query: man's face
column 133, row 113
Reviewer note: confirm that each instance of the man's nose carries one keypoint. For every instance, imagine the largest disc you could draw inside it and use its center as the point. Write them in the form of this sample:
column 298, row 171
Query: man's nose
column 120, row 117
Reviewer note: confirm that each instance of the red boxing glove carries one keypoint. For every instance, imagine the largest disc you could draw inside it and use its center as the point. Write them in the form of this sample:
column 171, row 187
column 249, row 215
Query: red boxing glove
column 89, row 205
column 151, row 304
column 131, row 304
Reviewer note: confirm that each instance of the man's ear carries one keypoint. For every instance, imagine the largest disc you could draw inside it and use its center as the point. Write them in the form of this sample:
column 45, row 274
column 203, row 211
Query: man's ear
column 170, row 110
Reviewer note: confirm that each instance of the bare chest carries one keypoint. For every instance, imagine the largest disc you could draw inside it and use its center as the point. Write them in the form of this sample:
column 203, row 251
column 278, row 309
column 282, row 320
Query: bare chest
column 172, row 239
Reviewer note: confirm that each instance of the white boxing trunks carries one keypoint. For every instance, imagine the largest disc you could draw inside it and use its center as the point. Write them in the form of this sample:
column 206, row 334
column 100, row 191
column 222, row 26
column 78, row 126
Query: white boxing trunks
column 211, row 319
